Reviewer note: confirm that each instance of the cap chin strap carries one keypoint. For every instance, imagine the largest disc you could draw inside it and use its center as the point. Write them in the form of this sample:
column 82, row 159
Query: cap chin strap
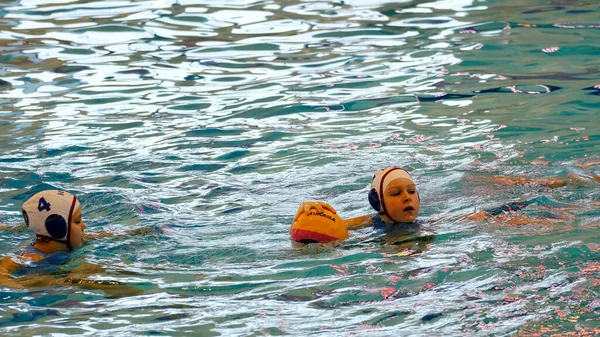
column 69, row 223
column 49, row 238
column 383, row 208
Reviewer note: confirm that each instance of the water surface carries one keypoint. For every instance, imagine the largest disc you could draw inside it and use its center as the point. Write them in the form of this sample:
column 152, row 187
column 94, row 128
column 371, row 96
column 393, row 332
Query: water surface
column 204, row 124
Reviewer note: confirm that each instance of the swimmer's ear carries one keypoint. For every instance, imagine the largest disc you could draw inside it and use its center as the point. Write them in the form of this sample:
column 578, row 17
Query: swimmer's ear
column 374, row 200
column 56, row 226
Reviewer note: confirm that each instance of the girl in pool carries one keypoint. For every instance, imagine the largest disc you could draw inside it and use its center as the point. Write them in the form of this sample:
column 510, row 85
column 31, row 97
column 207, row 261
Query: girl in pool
column 394, row 196
column 55, row 217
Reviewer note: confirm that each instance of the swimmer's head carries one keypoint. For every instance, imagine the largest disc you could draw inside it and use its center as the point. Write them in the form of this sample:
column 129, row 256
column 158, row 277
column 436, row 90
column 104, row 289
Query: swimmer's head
column 394, row 195
column 55, row 215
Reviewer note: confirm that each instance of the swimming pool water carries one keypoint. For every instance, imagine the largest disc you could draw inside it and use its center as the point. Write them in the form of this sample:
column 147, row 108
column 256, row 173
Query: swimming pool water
column 204, row 124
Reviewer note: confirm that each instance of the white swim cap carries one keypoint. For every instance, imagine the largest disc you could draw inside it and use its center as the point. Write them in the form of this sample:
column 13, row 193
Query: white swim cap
column 381, row 180
column 49, row 213
column 389, row 173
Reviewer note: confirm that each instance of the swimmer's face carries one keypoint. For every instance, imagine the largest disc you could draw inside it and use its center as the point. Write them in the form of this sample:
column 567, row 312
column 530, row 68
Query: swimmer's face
column 77, row 228
column 401, row 200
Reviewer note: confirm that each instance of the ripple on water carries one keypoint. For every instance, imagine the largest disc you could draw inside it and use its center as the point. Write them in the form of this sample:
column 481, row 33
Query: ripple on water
column 193, row 130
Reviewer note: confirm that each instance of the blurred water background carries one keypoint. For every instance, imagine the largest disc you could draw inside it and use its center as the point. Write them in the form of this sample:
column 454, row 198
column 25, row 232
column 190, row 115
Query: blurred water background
column 204, row 124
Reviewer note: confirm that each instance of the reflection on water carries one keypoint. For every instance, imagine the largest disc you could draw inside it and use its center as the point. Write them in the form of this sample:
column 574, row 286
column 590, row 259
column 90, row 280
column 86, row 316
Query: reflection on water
column 203, row 125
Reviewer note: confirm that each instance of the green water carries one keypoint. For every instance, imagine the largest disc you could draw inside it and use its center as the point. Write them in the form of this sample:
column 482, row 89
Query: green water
column 204, row 124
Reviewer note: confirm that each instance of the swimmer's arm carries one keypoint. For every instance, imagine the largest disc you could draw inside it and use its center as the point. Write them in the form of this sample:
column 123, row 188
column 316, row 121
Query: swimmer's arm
column 119, row 235
column 588, row 164
column 6, row 281
column 13, row 228
column 359, row 222
column 109, row 287
column 79, row 277
column 86, row 269
column 477, row 216
column 552, row 182
column 62, row 276
column 7, row 268
column 514, row 218
column 488, row 214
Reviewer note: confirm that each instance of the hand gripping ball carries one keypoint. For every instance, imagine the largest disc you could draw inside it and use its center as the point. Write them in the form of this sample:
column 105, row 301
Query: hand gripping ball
column 315, row 226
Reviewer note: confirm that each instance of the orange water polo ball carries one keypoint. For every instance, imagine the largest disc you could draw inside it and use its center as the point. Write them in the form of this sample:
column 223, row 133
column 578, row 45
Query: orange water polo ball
column 315, row 226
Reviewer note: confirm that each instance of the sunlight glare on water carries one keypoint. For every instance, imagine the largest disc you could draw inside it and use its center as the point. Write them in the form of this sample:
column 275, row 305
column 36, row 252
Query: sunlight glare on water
column 202, row 125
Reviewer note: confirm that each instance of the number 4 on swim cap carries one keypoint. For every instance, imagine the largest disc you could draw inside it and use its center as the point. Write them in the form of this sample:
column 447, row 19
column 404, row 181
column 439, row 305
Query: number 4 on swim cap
column 43, row 205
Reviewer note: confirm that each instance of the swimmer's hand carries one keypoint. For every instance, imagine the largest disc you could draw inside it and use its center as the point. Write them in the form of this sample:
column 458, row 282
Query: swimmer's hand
column 119, row 235
column 13, row 228
column 306, row 206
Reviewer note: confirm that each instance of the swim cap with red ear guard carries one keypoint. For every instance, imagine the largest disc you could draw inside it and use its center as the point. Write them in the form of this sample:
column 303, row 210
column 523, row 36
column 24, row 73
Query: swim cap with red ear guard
column 49, row 213
column 380, row 181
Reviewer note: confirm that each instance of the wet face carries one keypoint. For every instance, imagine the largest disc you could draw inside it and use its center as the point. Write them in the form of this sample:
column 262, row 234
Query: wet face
column 401, row 200
column 77, row 228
